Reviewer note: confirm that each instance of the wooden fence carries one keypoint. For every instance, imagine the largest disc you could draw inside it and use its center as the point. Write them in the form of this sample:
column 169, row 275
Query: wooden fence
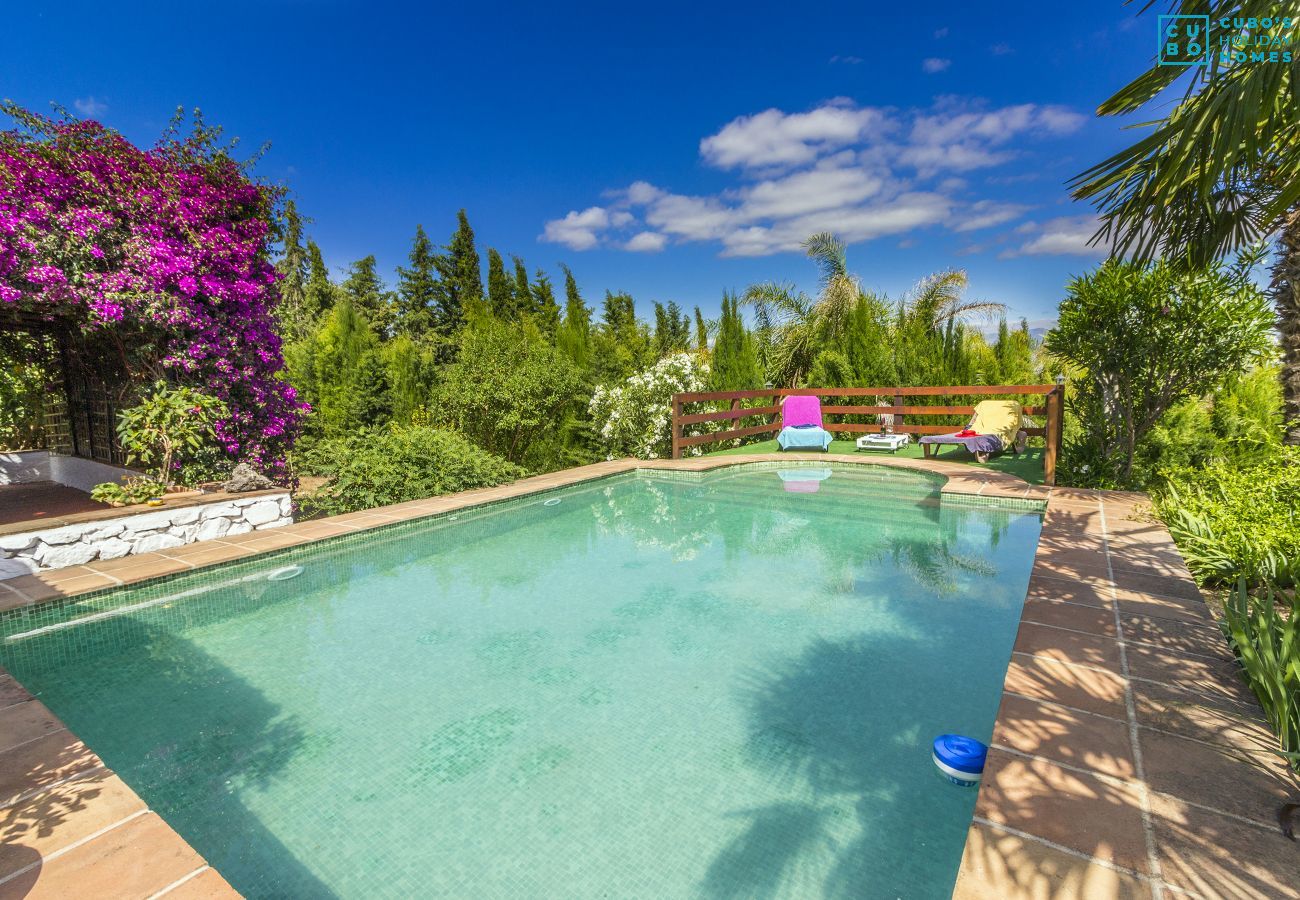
column 770, row 409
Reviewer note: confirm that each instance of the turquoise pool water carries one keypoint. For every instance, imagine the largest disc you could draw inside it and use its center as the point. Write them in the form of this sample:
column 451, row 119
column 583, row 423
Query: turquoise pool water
column 658, row 687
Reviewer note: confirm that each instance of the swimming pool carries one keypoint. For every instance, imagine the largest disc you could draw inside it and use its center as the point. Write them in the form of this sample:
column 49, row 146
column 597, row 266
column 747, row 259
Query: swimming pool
column 663, row 685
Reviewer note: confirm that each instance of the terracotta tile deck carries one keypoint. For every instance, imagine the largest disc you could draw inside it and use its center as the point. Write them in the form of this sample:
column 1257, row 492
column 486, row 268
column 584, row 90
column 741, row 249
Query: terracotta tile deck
column 1128, row 760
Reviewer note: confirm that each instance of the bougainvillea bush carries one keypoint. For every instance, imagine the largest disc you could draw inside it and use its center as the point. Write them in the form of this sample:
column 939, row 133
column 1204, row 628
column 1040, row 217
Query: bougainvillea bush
column 163, row 252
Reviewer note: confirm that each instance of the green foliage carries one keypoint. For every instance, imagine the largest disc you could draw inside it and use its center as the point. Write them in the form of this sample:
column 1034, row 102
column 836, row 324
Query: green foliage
column 1246, row 415
column 132, row 489
column 620, row 345
column 377, row 467
column 365, row 289
column 508, row 391
column 320, row 293
column 462, row 278
column 1148, row 339
column 1264, row 628
column 735, row 356
column 349, row 378
column 169, row 424
column 501, row 290
column 546, row 312
column 1232, row 521
column 672, row 329
column 291, row 312
column 418, row 289
column 522, row 304
column 574, row 337
column 410, row 367
column 26, row 364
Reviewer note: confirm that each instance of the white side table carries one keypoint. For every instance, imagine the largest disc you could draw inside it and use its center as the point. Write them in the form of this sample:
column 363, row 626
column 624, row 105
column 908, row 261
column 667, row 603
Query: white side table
column 891, row 442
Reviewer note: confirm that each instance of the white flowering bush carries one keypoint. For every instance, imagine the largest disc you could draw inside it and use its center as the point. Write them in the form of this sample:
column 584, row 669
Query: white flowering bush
column 635, row 419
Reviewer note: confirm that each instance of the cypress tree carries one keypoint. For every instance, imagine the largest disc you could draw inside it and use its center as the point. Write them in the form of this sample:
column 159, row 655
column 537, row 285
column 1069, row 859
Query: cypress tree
column 680, row 325
column 462, row 278
column 545, row 310
column 320, row 292
column 351, row 380
column 701, row 331
column 523, row 294
column 672, row 329
column 575, row 332
column 291, row 310
column 418, row 288
column 735, row 356
column 501, row 292
column 365, row 289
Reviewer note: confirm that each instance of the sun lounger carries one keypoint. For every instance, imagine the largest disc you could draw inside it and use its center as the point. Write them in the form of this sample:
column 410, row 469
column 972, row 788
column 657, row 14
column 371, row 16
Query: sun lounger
column 991, row 430
column 801, row 425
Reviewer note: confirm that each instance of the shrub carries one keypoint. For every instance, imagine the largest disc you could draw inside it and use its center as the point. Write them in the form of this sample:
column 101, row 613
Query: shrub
column 635, row 419
column 132, row 490
column 168, row 425
column 1264, row 629
column 375, row 468
column 1149, row 339
column 1234, row 522
column 509, row 392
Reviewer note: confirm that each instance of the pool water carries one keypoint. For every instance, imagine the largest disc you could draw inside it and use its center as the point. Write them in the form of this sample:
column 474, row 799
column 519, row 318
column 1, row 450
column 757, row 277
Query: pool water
column 660, row 686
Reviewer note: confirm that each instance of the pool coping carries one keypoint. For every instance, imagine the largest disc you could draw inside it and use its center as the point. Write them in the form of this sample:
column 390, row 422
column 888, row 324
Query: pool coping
column 1076, row 800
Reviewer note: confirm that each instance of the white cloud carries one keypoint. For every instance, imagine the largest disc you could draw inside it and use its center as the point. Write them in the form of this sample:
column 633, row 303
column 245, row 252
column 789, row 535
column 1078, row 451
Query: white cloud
column 941, row 33
column 90, row 107
column 861, row 172
column 646, row 242
column 933, row 65
column 987, row 213
column 1001, row 49
column 776, row 138
column 805, row 192
column 577, row 230
column 1064, row 236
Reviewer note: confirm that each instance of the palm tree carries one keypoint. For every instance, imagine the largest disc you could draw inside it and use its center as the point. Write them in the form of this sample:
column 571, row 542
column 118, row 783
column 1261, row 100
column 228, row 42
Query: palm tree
column 794, row 327
column 797, row 325
column 937, row 302
column 1220, row 172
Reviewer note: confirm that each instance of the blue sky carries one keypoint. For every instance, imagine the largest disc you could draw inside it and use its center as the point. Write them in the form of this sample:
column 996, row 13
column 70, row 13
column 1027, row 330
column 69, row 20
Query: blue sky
column 672, row 150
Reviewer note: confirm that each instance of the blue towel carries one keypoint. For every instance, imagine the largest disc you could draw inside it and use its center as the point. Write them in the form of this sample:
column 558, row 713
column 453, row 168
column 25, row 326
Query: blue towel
column 800, row 437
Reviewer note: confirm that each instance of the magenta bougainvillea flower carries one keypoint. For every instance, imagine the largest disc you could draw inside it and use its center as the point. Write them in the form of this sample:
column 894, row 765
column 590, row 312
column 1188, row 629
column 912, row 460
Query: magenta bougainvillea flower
column 168, row 248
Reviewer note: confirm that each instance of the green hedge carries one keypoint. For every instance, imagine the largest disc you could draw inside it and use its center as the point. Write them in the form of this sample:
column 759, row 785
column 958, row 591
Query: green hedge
column 375, row 468
column 1235, row 522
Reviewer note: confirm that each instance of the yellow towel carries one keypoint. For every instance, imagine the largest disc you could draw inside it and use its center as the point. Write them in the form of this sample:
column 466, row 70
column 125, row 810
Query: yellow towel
column 1000, row 417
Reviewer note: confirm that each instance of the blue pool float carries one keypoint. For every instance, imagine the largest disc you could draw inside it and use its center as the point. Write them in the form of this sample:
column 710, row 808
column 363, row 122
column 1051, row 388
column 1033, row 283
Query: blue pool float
column 960, row 759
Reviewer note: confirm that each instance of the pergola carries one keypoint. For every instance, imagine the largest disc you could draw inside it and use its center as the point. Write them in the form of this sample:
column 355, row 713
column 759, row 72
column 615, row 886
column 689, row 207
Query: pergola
column 85, row 385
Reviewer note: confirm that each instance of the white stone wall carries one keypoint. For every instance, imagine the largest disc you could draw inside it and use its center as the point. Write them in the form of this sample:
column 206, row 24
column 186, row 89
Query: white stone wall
column 74, row 545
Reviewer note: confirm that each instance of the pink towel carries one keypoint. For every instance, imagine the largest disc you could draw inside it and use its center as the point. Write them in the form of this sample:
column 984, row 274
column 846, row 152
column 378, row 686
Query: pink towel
column 801, row 410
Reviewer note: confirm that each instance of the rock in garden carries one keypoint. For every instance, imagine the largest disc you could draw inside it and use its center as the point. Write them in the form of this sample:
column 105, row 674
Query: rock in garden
column 246, row 478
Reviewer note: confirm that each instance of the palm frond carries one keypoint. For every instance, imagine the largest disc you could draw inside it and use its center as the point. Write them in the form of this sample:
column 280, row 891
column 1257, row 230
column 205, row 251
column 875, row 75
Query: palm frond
column 1219, row 172
column 827, row 251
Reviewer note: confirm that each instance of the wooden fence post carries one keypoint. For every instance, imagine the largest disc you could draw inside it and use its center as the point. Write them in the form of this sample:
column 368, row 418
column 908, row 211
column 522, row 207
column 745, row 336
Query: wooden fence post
column 677, row 426
column 1052, row 432
column 897, row 417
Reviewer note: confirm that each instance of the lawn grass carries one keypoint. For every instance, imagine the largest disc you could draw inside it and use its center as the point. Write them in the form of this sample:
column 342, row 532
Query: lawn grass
column 1028, row 465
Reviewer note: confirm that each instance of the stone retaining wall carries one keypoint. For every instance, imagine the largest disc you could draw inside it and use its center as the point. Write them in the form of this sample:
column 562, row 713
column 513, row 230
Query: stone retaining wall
column 80, row 543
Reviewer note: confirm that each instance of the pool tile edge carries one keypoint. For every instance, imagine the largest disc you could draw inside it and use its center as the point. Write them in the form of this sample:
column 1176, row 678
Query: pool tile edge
column 1089, row 791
